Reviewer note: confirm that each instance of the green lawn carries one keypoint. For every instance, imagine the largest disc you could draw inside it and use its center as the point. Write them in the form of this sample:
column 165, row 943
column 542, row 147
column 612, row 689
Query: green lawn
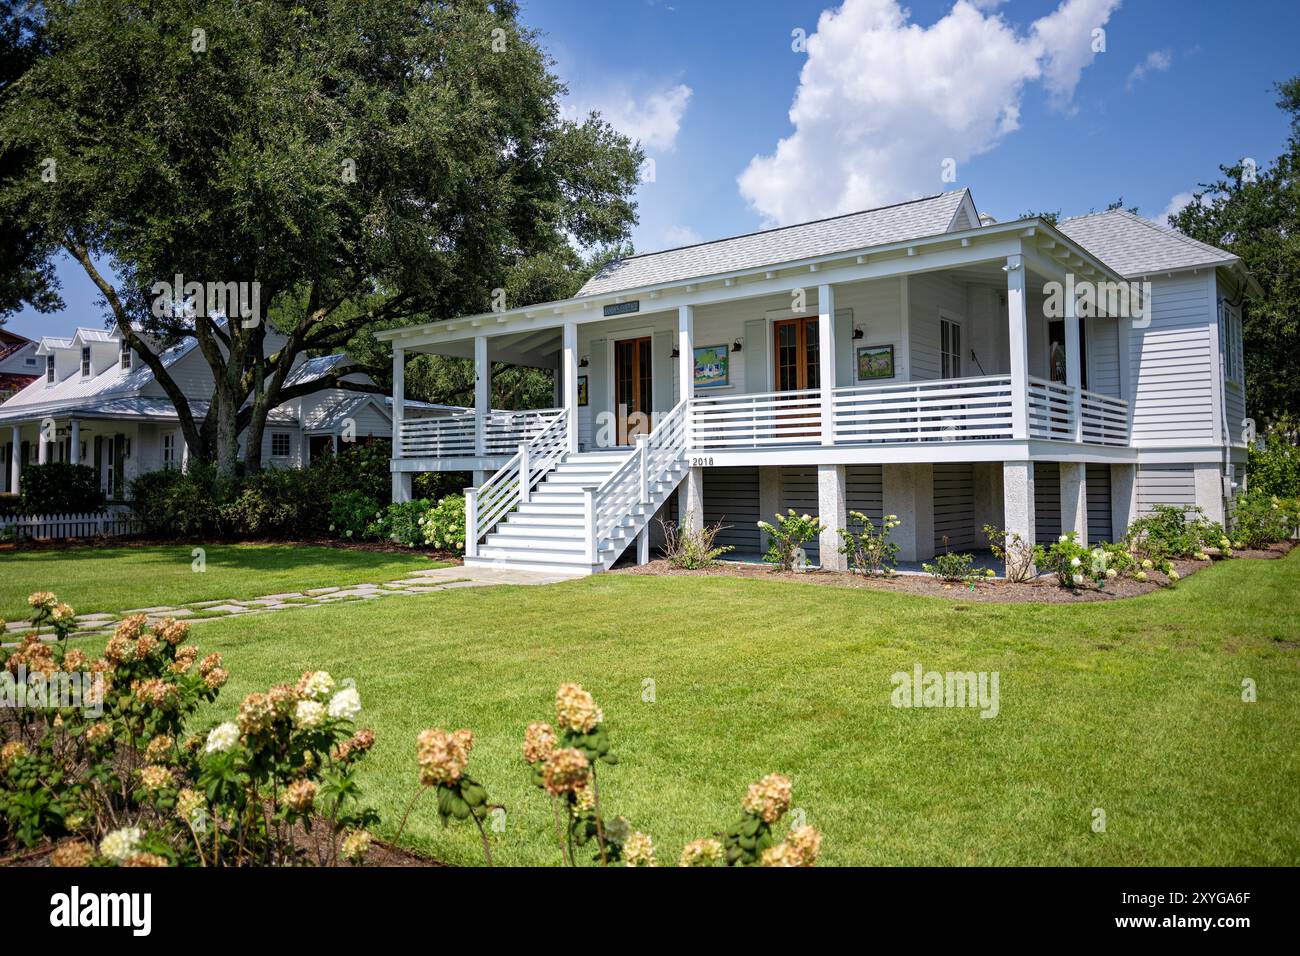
column 115, row 579
column 1134, row 707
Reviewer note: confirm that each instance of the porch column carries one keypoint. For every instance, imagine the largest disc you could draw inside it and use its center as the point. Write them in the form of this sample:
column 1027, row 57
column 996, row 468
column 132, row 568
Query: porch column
column 826, row 359
column 569, row 363
column 15, row 458
column 686, row 351
column 1123, row 499
column 1018, row 325
column 1073, row 361
column 399, row 401
column 908, row 493
column 74, row 445
column 690, row 508
column 1018, row 500
column 1074, row 499
column 834, row 515
column 482, row 394
column 42, row 446
column 403, row 487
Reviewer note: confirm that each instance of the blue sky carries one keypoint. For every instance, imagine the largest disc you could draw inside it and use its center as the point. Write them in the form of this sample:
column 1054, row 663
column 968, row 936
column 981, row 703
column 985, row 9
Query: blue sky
column 1032, row 117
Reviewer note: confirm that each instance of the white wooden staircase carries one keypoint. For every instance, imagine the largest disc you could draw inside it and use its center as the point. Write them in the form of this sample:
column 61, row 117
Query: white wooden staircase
column 574, row 511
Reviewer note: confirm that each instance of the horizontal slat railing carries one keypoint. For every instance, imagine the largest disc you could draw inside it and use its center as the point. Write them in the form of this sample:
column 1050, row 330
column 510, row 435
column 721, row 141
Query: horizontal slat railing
column 761, row 420
column 629, row 485
column 455, row 436
column 1105, row 419
column 487, row 505
column 966, row 409
column 1051, row 410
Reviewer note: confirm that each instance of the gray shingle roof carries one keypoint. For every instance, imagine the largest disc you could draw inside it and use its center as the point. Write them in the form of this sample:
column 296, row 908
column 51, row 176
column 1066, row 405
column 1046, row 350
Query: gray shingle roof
column 859, row 230
column 1135, row 246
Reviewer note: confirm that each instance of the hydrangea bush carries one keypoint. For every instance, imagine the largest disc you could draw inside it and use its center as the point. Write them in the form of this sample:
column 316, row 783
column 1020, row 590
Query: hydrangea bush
column 787, row 536
column 870, row 551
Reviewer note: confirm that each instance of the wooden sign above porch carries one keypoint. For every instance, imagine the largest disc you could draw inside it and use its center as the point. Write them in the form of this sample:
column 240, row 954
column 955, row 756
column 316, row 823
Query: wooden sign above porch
column 623, row 308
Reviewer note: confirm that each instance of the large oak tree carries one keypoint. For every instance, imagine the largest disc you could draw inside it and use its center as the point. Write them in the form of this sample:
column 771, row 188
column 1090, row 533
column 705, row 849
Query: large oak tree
column 364, row 163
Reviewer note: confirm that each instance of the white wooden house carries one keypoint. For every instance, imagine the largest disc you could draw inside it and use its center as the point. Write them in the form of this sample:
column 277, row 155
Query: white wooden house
column 912, row 360
column 95, row 403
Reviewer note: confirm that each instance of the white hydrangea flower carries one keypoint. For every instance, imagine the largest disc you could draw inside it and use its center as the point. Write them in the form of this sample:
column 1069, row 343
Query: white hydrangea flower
column 318, row 686
column 222, row 738
column 308, row 714
column 119, row 844
column 1075, row 563
column 346, row 704
column 1063, row 538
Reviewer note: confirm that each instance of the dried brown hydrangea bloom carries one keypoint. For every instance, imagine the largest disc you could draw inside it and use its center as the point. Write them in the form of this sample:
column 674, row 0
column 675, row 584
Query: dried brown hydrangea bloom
column 565, row 771
column 639, row 850
column 156, row 692
column 75, row 660
column 769, row 798
column 800, row 848
column 145, row 859
column 159, row 749
column 283, row 700
column 11, row 752
column 145, row 645
column 704, row 852
column 171, row 631
column 98, row 733
column 154, row 778
column 255, row 714
column 72, row 853
column 129, row 628
column 300, row 795
column 576, row 710
column 442, row 756
column 539, row 742
column 358, row 744
column 42, row 600
column 215, row 678
column 209, row 664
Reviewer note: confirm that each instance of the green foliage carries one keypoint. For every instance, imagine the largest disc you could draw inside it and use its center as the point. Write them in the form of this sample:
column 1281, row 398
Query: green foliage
column 400, row 523
column 352, row 514
column 1074, row 563
column 692, row 550
column 175, row 504
column 1171, row 531
column 1275, row 468
column 1017, row 555
column 1257, row 217
column 953, row 566
column 444, row 524
column 788, row 536
column 58, row 487
column 1259, row 519
column 869, row 550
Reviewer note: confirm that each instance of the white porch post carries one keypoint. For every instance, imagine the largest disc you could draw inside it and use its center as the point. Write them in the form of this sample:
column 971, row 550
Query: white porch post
column 74, row 446
column 686, row 365
column 1073, row 361
column 16, row 458
column 1018, row 500
column 42, row 446
column 691, row 509
column 471, row 522
column 482, row 394
column 1074, row 499
column 832, row 510
column 826, row 359
column 399, row 398
column 569, row 361
column 1018, row 324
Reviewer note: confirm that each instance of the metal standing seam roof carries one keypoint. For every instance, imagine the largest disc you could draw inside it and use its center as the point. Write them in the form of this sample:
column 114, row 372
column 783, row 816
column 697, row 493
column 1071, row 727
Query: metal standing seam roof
column 914, row 219
column 1135, row 246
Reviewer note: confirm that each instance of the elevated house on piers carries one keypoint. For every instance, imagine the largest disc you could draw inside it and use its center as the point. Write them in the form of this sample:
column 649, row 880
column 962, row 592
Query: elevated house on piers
column 911, row 360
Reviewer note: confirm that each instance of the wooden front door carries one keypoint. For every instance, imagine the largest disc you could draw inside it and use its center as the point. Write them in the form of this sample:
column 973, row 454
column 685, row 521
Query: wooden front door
column 632, row 388
column 797, row 356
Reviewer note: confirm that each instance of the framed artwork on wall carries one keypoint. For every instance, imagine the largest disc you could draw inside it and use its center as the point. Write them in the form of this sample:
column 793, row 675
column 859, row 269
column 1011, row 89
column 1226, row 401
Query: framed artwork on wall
column 582, row 390
column 875, row 362
column 712, row 366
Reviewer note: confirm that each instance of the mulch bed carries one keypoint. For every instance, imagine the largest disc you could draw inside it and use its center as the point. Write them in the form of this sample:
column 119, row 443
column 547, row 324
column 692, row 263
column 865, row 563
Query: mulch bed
column 381, row 854
column 1042, row 591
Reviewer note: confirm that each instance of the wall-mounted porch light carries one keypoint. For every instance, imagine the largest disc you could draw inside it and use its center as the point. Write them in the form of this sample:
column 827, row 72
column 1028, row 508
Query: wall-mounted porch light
column 677, row 353
column 858, row 333
column 736, row 346
column 583, row 362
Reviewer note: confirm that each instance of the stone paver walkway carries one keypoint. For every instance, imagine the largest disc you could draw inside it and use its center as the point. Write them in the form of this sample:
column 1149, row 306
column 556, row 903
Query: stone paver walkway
column 417, row 582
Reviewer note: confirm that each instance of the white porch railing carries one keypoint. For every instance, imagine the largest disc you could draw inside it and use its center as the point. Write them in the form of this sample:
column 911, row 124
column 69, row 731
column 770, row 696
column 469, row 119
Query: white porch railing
column 759, row 420
column 455, row 436
column 606, row 507
column 946, row 410
column 486, row 506
column 1051, row 410
column 115, row 521
column 1105, row 419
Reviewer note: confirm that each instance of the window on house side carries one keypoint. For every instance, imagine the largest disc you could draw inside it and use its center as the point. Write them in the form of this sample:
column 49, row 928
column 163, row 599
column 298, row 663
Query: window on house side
column 279, row 444
column 950, row 348
column 124, row 354
column 85, row 361
column 49, row 369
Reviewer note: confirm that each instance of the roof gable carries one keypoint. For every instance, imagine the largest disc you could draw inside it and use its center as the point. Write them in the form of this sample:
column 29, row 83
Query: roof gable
column 1135, row 246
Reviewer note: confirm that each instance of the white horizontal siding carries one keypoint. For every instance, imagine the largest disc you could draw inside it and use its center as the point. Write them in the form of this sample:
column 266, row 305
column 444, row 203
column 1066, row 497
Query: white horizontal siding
column 1165, row 485
column 1173, row 367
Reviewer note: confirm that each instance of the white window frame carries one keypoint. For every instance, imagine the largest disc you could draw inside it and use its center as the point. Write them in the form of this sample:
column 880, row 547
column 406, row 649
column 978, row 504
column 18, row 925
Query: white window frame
column 49, row 370
column 85, row 361
column 1234, row 364
column 949, row 359
column 124, row 357
column 288, row 444
column 168, row 450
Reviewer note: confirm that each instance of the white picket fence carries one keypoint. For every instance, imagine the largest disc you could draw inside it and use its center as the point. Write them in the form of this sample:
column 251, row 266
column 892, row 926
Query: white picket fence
column 112, row 521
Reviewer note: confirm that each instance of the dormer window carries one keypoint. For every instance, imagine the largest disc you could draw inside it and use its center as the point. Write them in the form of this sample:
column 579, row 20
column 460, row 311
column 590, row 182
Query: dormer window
column 124, row 354
column 49, row 369
column 85, row 361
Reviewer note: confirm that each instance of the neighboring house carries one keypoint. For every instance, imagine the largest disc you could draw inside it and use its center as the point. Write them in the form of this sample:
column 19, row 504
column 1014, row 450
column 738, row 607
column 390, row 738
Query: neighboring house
column 914, row 360
column 97, row 404
column 19, row 365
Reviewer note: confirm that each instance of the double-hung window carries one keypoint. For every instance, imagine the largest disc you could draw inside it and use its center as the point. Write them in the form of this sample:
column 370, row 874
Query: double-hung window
column 950, row 348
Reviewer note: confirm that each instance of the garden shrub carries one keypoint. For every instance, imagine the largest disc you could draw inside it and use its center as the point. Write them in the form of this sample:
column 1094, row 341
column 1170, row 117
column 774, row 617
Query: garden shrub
column 444, row 524
column 179, row 504
column 436, row 485
column 1074, row 563
column 869, row 550
column 953, row 566
column 109, row 769
column 1172, row 531
column 59, row 487
column 692, row 550
column 1260, row 519
column 271, row 503
column 1274, row 470
column 400, row 523
column 1017, row 555
column 788, row 536
column 352, row 514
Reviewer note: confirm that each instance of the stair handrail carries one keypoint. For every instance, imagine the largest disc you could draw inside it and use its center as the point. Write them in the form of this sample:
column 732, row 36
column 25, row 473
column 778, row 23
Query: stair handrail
column 604, row 507
column 512, row 483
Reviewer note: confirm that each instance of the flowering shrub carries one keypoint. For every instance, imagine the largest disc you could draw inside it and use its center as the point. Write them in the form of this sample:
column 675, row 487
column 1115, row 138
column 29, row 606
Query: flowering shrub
column 115, row 776
column 1017, row 555
column 400, row 523
column 692, row 550
column 788, row 536
column 444, row 524
column 952, row 566
column 870, row 551
column 352, row 513
column 1171, row 531
column 1075, row 564
column 1260, row 519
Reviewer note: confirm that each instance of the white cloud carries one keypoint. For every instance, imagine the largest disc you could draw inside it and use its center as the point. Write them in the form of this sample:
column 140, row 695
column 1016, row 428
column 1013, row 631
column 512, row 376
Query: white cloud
column 673, row 236
column 653, row 119
column 883, row 102
column 1177, row 203
column 1157, row 61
